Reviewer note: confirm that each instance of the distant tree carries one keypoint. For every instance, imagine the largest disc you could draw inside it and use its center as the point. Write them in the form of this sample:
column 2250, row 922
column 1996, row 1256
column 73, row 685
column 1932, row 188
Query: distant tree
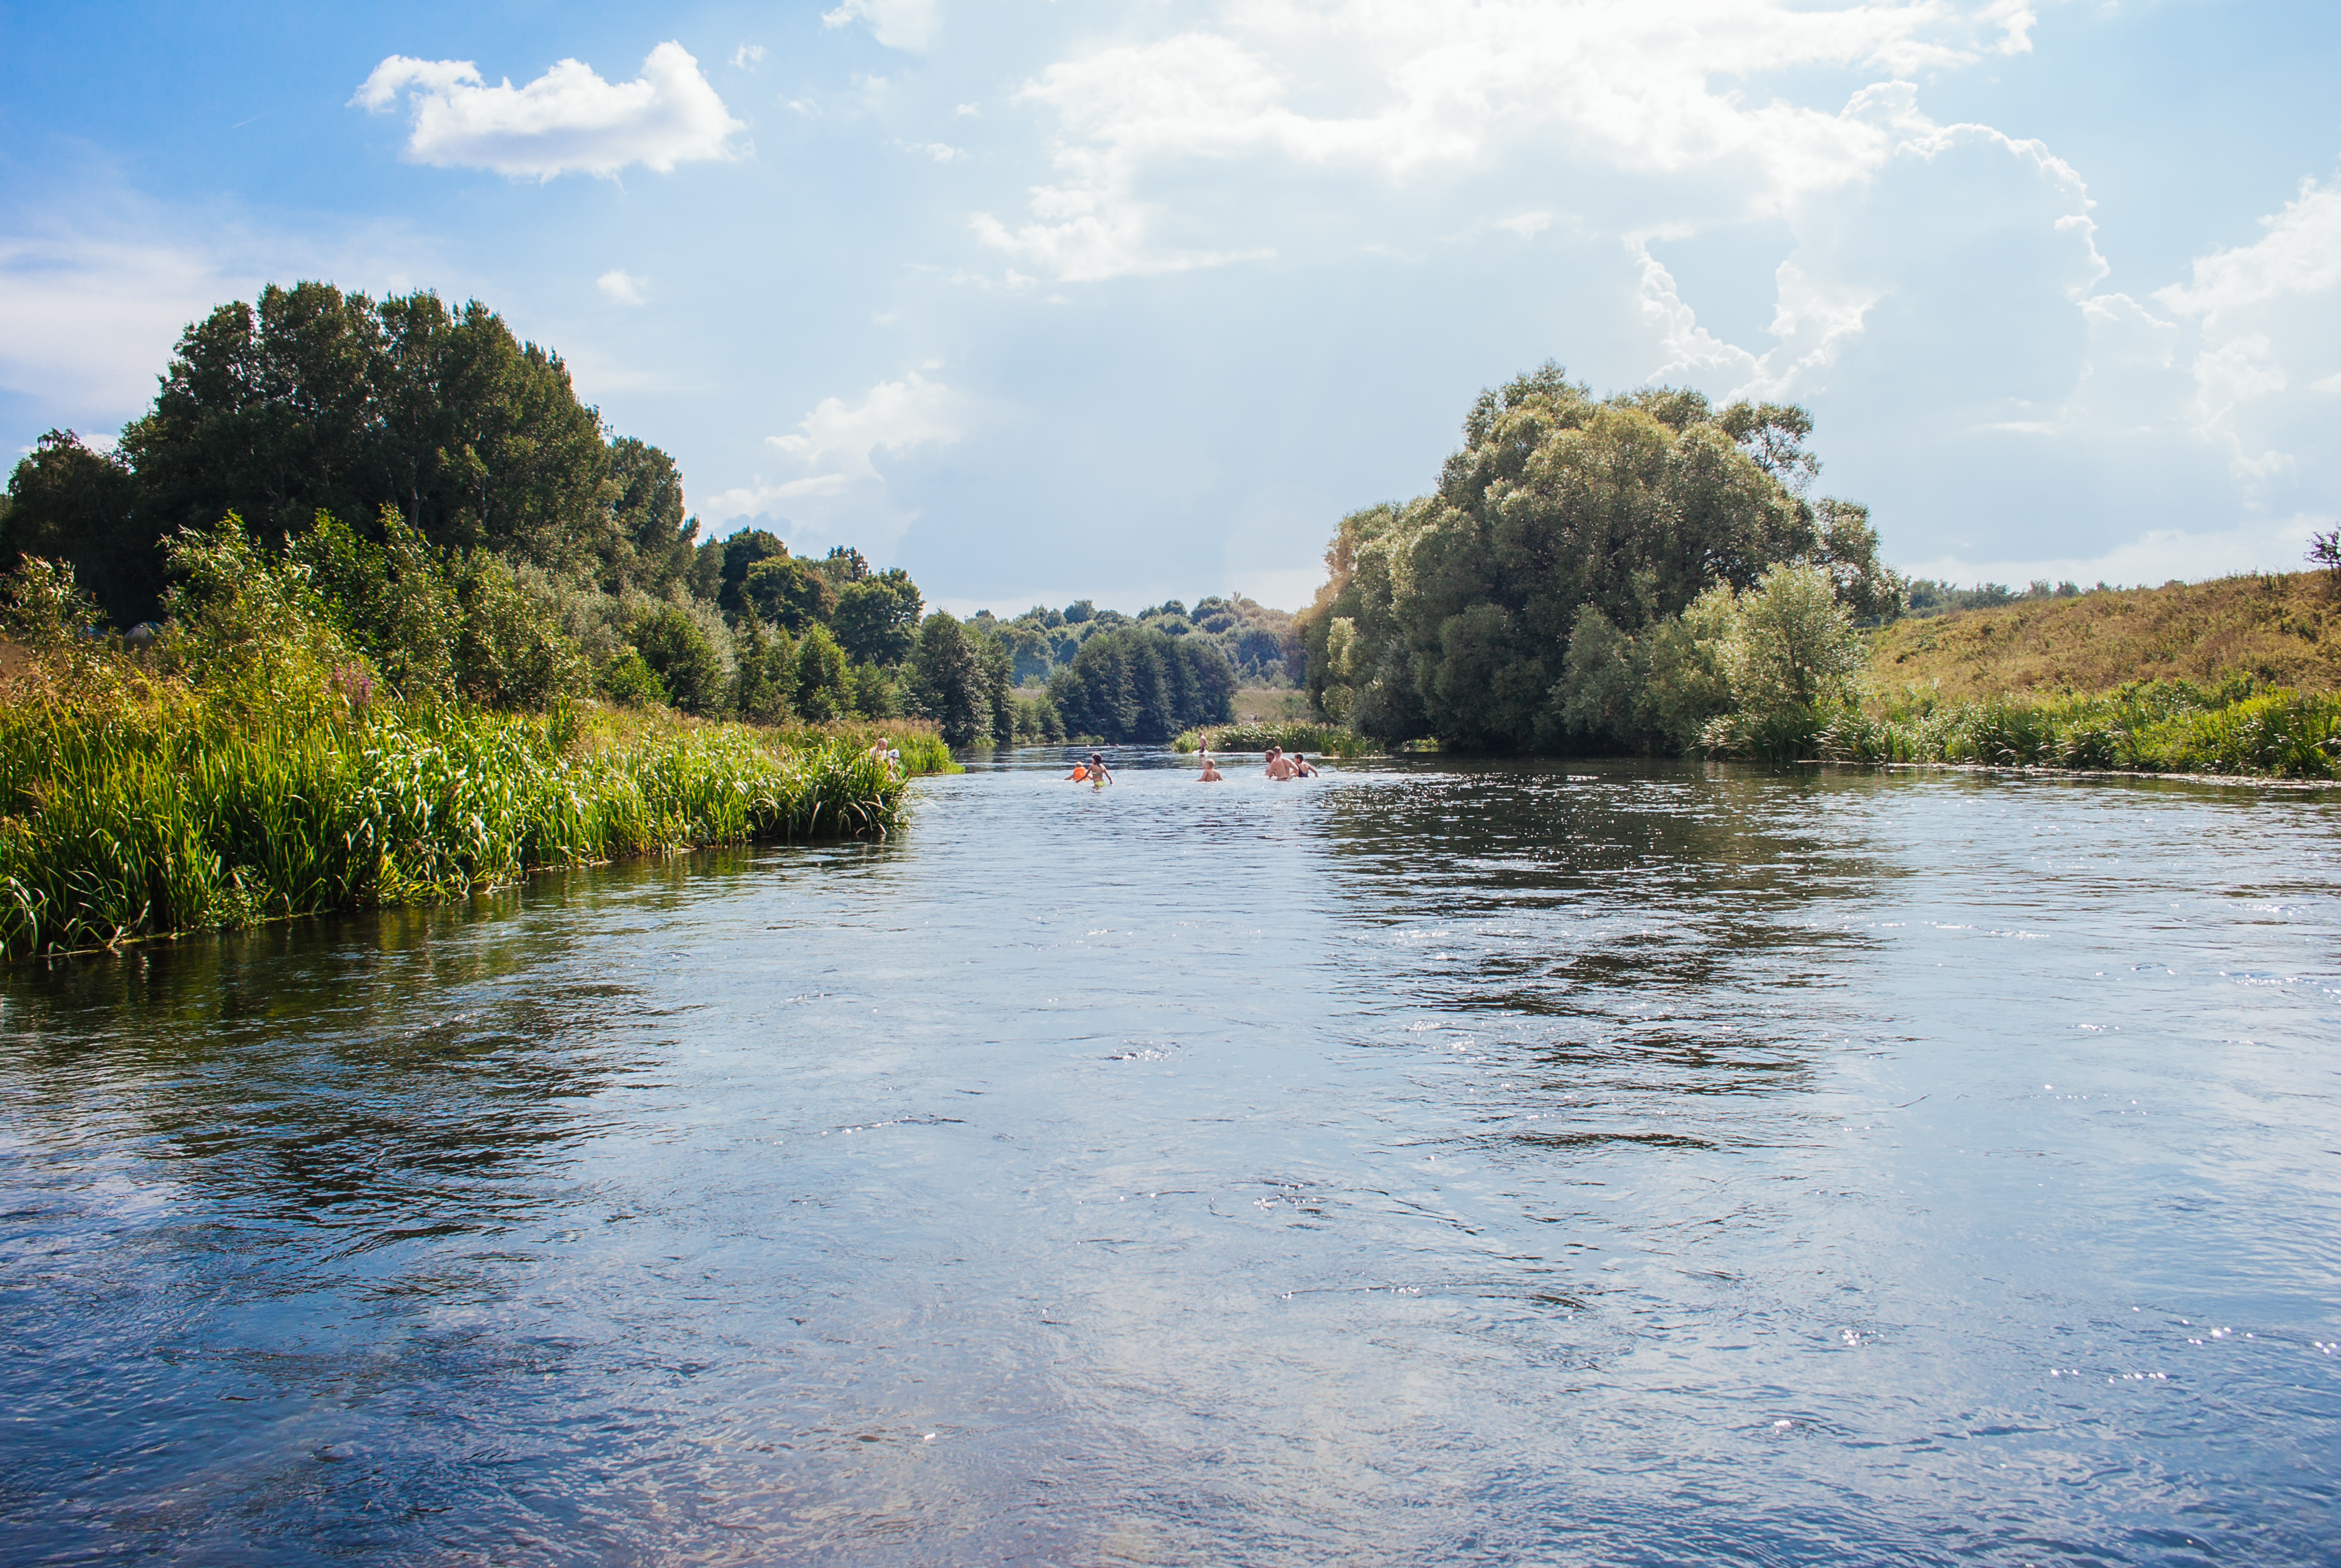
column 738, row 554
column 687, row 665
column 2325, row 551
column 791, row 593
column 69, row 503
column 1139, row 684
column 948, row 681
column 877, row 617
column 764, row 672
column 842, row 565
column 824, row 686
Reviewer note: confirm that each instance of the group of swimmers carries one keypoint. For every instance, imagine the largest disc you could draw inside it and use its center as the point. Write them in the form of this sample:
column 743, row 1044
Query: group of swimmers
column 1280, row 766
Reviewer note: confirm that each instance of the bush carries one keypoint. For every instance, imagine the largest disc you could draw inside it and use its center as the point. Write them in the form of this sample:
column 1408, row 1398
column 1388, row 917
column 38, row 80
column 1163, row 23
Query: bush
column 672, row 642
column 629, row 682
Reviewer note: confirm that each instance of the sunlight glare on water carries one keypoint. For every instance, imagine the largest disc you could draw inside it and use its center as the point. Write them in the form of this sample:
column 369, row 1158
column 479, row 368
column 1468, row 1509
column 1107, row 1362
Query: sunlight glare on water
column 1431, row 1162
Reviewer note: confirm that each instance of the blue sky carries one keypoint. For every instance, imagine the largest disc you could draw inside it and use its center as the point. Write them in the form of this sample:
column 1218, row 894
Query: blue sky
column 1047, row 301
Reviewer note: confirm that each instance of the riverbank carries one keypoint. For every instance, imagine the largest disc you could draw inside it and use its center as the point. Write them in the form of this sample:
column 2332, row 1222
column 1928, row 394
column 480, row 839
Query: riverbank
column 164, row 811
column 1254, row 735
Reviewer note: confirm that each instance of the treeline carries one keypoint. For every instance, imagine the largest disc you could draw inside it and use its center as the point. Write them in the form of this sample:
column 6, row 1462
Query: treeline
column 1262, row 646
column 1607, row 575
column 476, row 531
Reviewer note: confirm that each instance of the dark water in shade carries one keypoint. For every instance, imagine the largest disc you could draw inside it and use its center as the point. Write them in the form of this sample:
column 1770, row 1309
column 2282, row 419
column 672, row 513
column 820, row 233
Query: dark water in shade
column 1421, row 1164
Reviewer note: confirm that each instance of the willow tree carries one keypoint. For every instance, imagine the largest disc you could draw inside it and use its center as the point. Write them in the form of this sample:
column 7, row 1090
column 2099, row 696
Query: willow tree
column 1451, row 615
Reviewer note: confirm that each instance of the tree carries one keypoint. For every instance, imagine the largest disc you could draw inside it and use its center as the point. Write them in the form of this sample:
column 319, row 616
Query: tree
column 948, row 683
column 1136, row 683
column 790, row 593
column 69, row 503
column 685, row 662
column 877, row 617
column 824, row 686
column 315, row 401
column 1556, row 508
column 1795, row 646
column 764, row 672
column 2324, row 551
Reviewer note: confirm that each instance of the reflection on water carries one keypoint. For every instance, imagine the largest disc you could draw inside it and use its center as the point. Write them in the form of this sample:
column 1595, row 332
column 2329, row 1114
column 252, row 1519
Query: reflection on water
column 1492, row 1163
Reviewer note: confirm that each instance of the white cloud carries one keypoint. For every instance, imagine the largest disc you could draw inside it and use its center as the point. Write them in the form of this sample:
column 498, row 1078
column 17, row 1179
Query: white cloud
column 2150, row 559
column 747, row 56
column 840, row 491
column 1454, row 86
column 567, row 121
column 897, row 23
column 622, row 287
column 941, row 152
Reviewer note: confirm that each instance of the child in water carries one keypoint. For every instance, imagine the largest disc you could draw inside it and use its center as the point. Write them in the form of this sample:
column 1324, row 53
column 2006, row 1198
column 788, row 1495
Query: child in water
column 1302, row 768
column 1212, row 774
column 1091, row 771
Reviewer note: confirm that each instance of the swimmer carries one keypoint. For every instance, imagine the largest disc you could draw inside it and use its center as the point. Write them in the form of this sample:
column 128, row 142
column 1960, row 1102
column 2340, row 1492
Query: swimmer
column 1092, row 771
column 1302, row 768
column 1212, row 774
column 1278, row 767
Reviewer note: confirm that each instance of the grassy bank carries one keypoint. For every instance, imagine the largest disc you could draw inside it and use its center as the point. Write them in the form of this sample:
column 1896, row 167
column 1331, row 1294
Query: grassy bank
column 2152, row 727
column 2281, row 630
column 139, row 806
column 1318, row 740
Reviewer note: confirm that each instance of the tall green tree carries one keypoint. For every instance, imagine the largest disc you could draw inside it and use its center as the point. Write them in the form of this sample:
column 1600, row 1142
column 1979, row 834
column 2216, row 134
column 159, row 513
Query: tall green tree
column 1457, row 613
column 948, row 680
column 69, row 503
column 877, row 617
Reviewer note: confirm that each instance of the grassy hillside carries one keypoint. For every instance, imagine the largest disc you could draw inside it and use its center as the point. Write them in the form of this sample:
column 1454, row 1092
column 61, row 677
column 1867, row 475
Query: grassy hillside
column 2285, row 629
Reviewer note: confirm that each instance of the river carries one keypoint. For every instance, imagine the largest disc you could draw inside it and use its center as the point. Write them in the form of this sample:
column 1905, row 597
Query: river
column 1433, row 1163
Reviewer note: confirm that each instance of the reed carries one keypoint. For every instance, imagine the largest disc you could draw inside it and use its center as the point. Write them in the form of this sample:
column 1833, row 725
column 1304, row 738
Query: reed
column 181, row 811
column 1322, row 739
column 2155, row 727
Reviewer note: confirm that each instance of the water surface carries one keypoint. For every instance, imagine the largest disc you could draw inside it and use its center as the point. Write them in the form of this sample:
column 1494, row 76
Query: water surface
column 1594, row 1163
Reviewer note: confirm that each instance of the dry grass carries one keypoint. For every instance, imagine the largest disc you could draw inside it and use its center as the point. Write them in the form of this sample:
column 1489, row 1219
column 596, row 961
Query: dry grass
column 2283, row 629
column 1272, row 704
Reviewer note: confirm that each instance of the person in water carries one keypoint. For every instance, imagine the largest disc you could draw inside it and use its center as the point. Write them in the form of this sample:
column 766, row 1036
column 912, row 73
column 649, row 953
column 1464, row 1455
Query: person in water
column 1092, row 771
column 1279, row 766
column 1302, row 768
column 1212, row 774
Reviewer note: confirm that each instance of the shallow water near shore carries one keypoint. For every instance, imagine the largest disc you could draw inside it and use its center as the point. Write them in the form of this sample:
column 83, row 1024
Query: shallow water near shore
column 1427, row 1163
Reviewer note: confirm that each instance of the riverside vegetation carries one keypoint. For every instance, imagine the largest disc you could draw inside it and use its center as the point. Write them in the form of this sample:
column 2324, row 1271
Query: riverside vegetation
column 424, row 624
column 251, row 767
column 1646, row 573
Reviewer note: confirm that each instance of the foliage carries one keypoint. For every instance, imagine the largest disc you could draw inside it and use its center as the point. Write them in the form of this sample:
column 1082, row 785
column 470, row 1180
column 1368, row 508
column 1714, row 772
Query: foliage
column 628, row 681
column 267, row 777
column 877, row 617
column 950, row 682
column 824, row 686
column 1457, row 615
column 317, row 400
column 791, row 593
column 679, row 651
column 1310, row 739
column 70, row 503
column 2324, row 554
column 1139, row 684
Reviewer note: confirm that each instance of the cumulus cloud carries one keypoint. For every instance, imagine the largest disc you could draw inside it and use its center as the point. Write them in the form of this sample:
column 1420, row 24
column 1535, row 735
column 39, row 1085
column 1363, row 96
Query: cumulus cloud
column 622, row 287
column 839, row 486
column 567, row 121
column 897, row 23
column 1450, row 86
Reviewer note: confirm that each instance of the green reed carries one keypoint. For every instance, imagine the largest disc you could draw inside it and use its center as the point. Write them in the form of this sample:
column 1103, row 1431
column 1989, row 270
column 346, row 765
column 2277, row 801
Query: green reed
column 1323, row 740
column 183, row 813
column 2157, row 727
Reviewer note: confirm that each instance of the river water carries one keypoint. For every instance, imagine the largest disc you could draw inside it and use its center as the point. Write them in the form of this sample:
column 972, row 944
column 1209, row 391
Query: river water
column 1598, row 1163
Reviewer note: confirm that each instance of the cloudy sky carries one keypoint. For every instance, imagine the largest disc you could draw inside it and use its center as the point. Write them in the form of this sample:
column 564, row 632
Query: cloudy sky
column 1133, row 300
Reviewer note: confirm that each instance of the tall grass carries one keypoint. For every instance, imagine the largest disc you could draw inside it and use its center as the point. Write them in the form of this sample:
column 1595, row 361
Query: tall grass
column 178, row 813
column 2157, row 727
column 1324, row 740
